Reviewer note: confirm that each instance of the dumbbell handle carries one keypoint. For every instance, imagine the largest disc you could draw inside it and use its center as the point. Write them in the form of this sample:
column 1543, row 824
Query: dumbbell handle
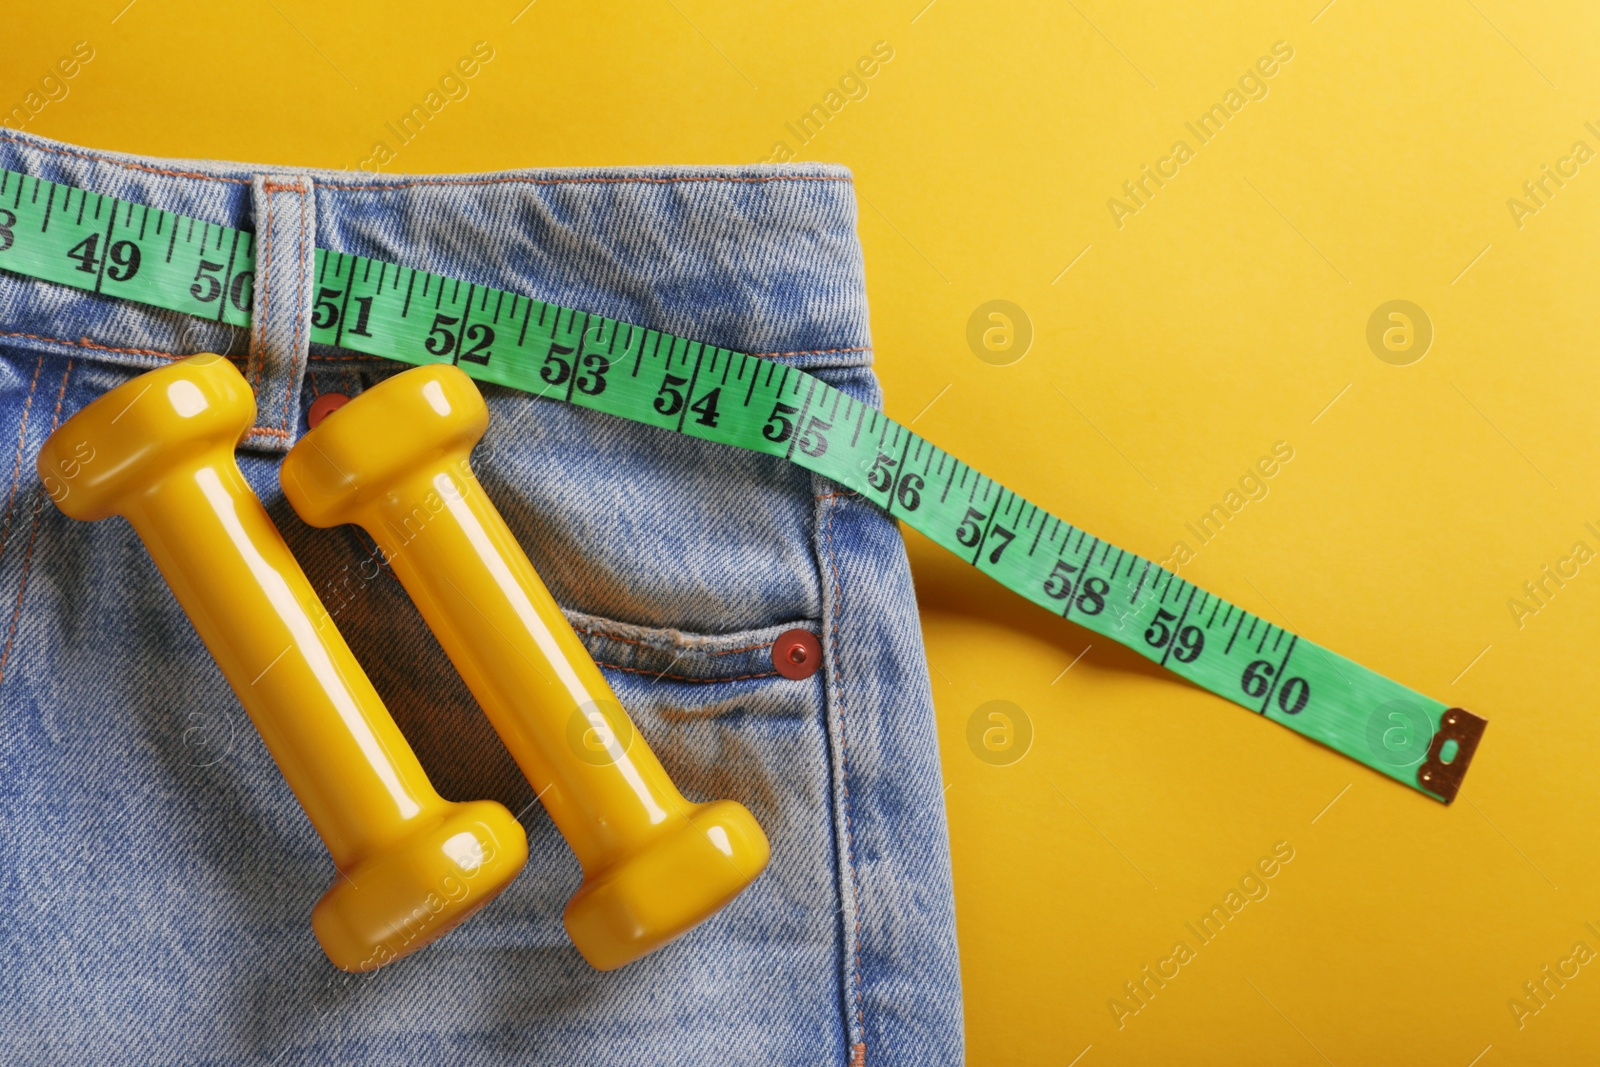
column 321, row 718
column 158, row 450
column 521, row 659
column 395, row 461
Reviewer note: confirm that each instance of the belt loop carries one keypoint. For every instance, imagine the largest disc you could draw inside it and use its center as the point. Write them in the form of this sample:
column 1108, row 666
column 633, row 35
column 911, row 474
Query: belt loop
column 280, row 315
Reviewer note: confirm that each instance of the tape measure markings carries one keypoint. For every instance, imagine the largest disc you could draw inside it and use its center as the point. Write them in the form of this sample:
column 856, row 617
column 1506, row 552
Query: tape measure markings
column 702, row 390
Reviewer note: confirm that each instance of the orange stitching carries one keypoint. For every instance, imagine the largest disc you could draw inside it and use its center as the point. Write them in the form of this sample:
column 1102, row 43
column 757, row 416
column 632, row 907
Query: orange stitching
column 684, row 677
column 844, row 765
column 84, row 342
column 55, row 419
column 858, row 1055
column 642, row 644
column 579, row 181
column 27, row 559
column 268, row 431
column 16, row 471
column 811, row 352
column 125, row 164
column 270, row 186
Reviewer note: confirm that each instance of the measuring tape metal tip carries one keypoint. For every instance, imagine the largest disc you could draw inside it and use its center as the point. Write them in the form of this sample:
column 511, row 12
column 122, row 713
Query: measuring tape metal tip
column 1439, row 774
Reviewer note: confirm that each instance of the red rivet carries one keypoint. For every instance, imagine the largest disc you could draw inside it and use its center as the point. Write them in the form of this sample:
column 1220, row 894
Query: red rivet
column 323, row 406
column 797, row 654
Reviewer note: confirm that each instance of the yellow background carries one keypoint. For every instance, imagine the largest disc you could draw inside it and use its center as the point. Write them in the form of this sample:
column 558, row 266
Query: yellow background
column 1226, row 315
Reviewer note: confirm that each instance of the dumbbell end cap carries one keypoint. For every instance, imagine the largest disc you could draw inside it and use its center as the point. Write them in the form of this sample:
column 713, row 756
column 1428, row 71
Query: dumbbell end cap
column 131, row 435
column 638, row 905
column 420, row 888
column 390, row 431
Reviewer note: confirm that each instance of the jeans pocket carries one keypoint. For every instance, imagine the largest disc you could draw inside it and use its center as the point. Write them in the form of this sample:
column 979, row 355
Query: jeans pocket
column 725, row 725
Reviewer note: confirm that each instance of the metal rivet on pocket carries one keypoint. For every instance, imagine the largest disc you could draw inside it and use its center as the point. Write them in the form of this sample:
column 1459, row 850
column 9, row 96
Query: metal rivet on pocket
column 797, row 654
column 323, row 406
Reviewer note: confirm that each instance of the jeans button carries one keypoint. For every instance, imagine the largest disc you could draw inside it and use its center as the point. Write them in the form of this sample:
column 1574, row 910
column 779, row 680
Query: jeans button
column 323, row 406
column 797, row 654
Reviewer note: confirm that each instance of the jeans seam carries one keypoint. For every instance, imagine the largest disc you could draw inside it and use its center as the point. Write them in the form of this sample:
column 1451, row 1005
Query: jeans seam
column 685, row 677
column 593, row 632
column 385, row 187
column 857, row 1051
column 84, row 342
column 126, row 164
column 16, row 471
column 33, row 536
column 96, row 346
column 312, row 357
column 299, row 318
column 811, row 352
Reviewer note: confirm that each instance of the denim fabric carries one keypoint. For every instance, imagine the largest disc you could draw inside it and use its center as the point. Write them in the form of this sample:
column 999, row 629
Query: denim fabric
column 156, row 873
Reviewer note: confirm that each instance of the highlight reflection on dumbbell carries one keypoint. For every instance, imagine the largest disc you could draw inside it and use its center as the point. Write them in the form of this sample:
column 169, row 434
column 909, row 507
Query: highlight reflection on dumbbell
column 412, row 864
column 395, row 461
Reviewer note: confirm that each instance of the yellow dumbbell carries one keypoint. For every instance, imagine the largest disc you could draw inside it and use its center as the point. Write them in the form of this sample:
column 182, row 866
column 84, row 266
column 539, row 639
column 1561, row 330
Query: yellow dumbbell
column 395, row 461
column 411, row 864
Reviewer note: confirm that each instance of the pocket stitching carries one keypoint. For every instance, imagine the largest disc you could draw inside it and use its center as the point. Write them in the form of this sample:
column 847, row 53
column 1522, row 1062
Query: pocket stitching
column 685, row 677
column 16, row 471
column 858, row 1051
column 33, row 536
column 608, row 636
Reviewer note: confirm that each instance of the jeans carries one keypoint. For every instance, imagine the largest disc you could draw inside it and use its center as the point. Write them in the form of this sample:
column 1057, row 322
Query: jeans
column 157, row 874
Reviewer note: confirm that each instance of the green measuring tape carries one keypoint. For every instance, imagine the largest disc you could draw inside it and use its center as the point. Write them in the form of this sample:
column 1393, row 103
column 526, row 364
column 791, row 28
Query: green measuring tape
column 60, row 234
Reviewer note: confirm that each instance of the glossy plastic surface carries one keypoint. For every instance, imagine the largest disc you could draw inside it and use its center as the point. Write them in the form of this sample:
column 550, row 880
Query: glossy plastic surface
column 412, row 865
column 395, row 461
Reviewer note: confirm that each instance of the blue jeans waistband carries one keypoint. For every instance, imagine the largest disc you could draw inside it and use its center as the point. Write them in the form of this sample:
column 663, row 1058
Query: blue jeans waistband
column 642, row 245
